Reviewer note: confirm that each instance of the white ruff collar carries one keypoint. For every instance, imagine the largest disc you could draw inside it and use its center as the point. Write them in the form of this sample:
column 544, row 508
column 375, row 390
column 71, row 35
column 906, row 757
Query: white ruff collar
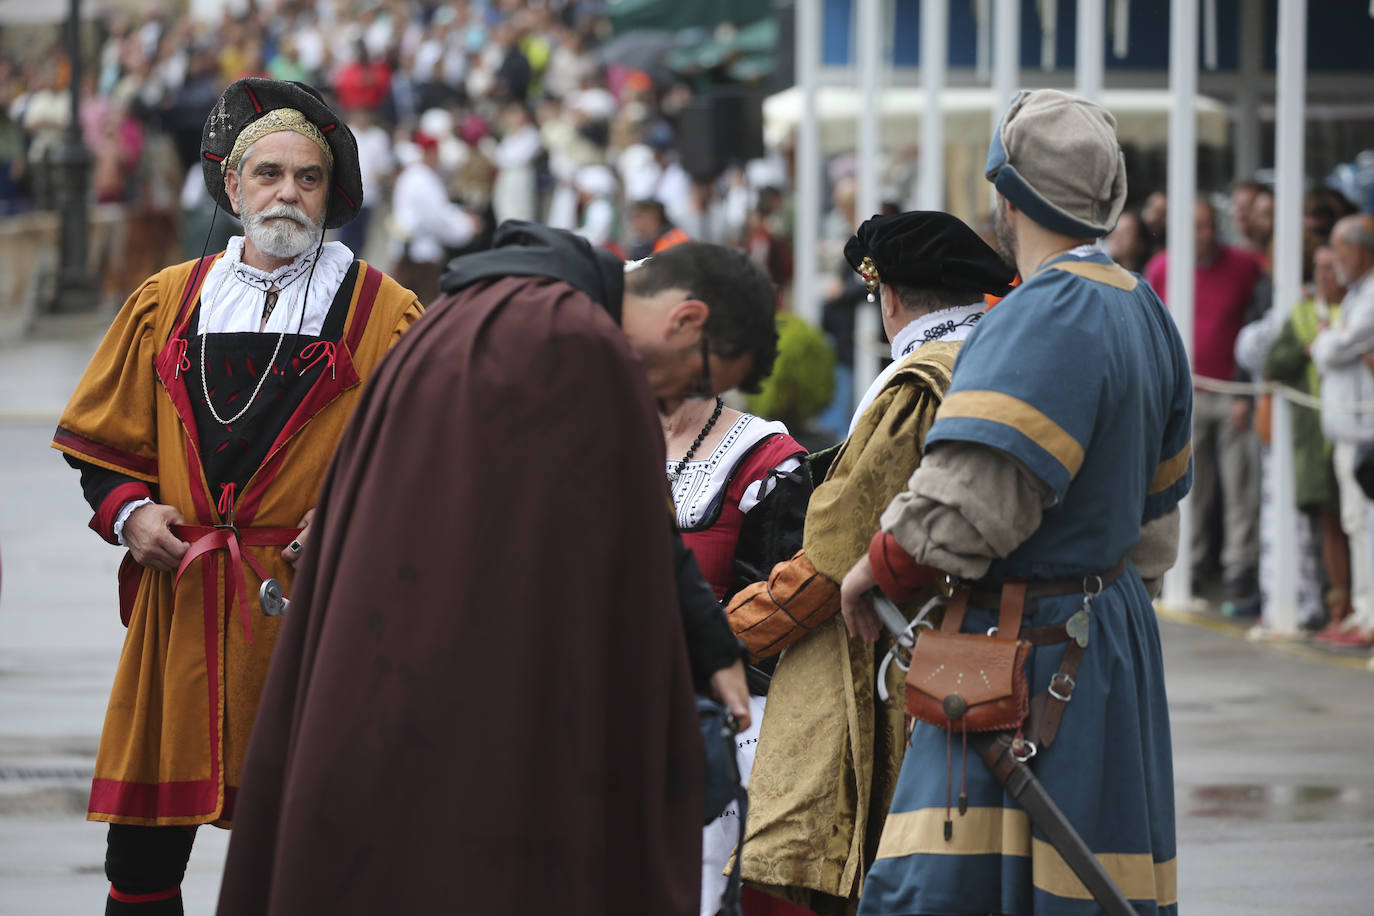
column 946, row 324
column 233, row 292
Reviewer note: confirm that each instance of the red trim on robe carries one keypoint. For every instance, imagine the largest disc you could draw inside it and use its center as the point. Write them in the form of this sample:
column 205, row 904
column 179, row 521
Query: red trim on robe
column 209, row 580
column 153, row 799
column 190, row 295
column 105, row 454
column 102, row 523
column 154, row 897
column 130, row 577
column 168, row 363
column 372, row 281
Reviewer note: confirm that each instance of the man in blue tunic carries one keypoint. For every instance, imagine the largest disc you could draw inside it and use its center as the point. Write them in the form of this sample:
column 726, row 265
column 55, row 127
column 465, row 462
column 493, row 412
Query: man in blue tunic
column 1057, row 460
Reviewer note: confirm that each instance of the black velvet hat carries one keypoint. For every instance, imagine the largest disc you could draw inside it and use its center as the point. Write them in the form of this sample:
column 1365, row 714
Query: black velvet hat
column 247, row 100
column 924, row 248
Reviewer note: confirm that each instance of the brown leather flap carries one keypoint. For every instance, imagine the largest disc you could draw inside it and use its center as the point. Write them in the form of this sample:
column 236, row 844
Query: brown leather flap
column 980, row 669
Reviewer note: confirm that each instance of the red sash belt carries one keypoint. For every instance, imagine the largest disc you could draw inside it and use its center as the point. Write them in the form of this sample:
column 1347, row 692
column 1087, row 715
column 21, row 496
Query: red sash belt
column 205, row 538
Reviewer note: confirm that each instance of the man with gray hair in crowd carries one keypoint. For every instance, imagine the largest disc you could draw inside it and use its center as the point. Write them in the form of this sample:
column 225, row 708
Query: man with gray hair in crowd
column 1048, row 488
column 1339, row 352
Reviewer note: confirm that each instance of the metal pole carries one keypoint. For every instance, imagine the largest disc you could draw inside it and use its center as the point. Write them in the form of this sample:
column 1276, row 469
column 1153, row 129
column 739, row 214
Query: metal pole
column 1090, row 43
column 934, row 66
column 75, row 289
column 807, row 230
column 1121, row 28
column 1247, row 139
column 1006, row 63
column 1182, row 191
column 1281, row 613
column 1209, row 34
column 1049, row 33
column 1006, row 56
column 982, row 16
column 869, row 53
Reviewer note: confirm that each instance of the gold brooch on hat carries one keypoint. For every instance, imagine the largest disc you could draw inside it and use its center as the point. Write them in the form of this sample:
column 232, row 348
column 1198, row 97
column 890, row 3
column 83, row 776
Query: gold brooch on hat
column 869, row 272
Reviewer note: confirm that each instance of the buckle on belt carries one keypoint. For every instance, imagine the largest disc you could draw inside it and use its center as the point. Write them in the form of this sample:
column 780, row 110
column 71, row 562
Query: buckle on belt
column 1061, row 677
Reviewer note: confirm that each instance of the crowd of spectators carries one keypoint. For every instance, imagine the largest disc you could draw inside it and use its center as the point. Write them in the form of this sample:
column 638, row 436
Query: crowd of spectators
column 470, row 112
column 1321, row 346
column 514, row 107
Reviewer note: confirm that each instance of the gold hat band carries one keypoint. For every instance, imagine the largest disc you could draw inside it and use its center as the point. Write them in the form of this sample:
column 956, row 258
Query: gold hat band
column 278, row 119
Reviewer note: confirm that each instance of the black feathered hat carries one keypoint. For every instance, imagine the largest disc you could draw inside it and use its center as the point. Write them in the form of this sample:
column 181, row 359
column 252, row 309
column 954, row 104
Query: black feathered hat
column 923, row 248
column 248, row 100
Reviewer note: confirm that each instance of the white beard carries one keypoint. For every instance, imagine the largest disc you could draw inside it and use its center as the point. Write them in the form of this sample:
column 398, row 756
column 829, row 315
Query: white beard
column 283, row 238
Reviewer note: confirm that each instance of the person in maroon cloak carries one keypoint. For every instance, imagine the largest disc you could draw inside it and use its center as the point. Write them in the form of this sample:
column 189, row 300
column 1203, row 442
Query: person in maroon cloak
column 482, row 698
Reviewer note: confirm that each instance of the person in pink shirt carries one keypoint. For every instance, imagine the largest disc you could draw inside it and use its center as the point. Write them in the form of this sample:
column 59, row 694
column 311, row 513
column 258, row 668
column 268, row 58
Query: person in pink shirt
column 1225, row 449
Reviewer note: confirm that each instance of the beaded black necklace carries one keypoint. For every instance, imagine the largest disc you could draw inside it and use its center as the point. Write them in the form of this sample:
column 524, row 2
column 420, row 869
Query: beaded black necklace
column 696, row 444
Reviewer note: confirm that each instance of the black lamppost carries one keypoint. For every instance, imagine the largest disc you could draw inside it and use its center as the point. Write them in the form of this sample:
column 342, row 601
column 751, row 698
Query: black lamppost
column 75, row 289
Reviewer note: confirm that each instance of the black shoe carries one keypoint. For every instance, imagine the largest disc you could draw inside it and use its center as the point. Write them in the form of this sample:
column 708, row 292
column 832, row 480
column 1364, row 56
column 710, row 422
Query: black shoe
column 1243, row 589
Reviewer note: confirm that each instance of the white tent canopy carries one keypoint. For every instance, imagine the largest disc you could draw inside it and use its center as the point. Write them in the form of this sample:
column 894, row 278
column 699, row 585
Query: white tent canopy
column 1142, row 116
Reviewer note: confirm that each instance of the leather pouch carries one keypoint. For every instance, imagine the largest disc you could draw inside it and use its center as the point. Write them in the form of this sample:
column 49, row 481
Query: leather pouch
column 968, row 681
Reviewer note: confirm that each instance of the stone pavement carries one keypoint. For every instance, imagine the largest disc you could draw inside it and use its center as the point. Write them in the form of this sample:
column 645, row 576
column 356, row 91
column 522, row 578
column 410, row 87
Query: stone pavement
column 1272, row 748
column 59, row 641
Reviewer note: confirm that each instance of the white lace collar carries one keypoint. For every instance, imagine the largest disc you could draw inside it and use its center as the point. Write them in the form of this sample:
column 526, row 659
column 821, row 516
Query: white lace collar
column 281, row 278
column 946, row 324
column 233, row 292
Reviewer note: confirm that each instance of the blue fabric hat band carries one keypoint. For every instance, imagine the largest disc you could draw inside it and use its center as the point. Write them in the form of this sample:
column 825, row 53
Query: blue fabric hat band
column 1016, row 189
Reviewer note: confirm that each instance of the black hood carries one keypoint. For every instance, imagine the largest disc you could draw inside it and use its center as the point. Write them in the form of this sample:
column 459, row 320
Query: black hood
column 524, row 249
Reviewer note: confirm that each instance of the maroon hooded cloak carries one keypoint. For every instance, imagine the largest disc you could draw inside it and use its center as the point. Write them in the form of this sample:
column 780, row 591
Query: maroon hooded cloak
column 480, row 701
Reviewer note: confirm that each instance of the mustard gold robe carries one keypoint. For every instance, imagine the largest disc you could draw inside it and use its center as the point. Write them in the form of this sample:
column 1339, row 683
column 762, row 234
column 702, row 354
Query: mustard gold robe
column 187, row 685
column 829, row 749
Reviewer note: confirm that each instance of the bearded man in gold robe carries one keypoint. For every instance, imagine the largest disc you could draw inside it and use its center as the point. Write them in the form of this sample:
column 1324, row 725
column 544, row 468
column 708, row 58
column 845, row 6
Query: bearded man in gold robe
column 202, row 429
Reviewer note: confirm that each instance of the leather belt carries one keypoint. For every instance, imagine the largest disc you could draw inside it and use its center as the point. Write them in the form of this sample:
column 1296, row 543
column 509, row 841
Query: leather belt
column 985, row 594
column 207, row 538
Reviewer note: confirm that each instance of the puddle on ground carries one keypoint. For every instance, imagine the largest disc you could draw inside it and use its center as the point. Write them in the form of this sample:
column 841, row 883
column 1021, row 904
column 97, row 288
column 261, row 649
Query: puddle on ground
column 1279, row 802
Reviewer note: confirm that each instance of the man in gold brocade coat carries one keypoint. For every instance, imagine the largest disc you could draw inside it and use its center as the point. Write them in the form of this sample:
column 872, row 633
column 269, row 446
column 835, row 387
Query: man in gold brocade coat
column 830, row 748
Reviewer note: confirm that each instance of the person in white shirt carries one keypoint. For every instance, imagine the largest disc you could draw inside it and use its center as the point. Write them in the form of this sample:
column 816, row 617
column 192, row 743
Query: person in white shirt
column 376, row 164
column 514, row 194
column 425, row 221
column 1339, row 354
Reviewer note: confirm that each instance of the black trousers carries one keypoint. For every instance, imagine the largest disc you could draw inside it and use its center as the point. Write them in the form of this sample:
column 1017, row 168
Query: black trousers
column 145, row 866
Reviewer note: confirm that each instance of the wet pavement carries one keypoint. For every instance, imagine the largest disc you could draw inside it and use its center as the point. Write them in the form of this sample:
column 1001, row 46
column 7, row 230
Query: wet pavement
column 1272, row 743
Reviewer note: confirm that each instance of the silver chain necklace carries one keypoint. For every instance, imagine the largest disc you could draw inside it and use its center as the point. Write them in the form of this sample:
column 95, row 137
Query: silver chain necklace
column 266, row 370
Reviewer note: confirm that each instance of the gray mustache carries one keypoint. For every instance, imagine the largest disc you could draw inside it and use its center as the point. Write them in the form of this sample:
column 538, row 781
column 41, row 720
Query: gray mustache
column 285, row 211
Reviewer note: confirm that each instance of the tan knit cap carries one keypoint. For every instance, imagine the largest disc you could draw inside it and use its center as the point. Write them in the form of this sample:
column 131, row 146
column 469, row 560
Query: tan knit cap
column 1056, row 157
